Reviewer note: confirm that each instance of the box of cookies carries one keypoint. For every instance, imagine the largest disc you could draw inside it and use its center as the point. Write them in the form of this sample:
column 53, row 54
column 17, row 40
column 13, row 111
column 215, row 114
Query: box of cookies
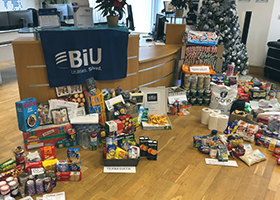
column 27, row 114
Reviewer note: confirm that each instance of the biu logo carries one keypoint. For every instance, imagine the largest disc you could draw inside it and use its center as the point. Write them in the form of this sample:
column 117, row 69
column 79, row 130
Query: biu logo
column 222, row 98
column 78, row 58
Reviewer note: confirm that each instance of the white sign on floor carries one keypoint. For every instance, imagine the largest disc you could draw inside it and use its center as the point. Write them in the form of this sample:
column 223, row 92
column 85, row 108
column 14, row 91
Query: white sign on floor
column 119, row 169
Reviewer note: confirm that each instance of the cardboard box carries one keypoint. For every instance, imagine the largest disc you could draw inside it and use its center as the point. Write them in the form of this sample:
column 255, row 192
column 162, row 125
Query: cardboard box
column 131, row 110
column 95, row 104
column 27, row 114
column 234, row 117
column 175, row 33
column 219, row 65
column 114, row 126
column 156, row 101
column 45, row 136
column 220, row 51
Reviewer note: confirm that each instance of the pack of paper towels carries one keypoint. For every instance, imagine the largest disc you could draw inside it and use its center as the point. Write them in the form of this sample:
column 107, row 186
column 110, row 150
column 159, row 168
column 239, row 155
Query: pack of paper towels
column 214, row 119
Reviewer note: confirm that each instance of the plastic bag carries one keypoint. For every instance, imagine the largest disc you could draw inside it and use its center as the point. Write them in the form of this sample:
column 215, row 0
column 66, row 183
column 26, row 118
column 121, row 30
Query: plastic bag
column 222, row 97
column 250, row 133
column 241, row 130
column 253, row 157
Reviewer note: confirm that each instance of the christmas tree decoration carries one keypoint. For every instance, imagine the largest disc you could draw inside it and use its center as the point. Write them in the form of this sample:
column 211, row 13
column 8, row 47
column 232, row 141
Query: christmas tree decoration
column 220, row 16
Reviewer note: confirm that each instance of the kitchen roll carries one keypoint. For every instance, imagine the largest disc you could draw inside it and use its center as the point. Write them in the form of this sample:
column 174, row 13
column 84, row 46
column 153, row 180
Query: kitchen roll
column 217, row 111
column 213, row 121
column 222, row 123
column 205, row 115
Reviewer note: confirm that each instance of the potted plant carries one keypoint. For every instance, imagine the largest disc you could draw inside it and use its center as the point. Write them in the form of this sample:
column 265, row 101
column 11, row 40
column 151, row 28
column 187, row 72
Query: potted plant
column 180, row 5
column 112, row 9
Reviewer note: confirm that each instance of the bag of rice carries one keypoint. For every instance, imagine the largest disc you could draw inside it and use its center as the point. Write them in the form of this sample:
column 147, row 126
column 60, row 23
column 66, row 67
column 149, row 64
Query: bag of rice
column 253, row 157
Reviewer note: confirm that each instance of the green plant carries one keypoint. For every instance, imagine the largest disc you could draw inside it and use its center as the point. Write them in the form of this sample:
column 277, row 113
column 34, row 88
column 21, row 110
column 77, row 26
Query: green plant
column 180, row 4
column 110, row 7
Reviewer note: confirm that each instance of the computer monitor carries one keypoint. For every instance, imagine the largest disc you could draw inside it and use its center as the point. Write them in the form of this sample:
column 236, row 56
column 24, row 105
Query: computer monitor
column 129, row 19
column 4, row 21
column 62, row 9
column 158, row 34
column 20, row 19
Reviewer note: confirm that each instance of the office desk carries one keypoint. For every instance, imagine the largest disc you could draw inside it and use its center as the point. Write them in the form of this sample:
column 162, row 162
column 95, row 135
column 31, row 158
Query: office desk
column 147, row 66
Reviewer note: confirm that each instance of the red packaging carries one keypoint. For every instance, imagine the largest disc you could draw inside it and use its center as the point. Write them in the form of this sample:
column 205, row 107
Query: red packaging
column 4, row 176
column 45, row 136
column 245, row 97
column 48, row 153
column 31, row 165
column 62, row 176
column 263, row 120
column 127, row 123
column 119, row 125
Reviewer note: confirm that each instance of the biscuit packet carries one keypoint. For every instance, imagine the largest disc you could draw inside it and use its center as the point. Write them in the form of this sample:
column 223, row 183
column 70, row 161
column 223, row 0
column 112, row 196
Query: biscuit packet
column 111, row 150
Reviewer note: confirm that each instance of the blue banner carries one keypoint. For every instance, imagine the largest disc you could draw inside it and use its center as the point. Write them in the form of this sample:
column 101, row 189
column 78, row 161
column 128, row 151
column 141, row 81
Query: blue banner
column 73, row 56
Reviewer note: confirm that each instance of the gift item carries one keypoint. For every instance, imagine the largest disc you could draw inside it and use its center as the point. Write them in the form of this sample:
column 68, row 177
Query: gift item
column 45, row 136
column 27, row 114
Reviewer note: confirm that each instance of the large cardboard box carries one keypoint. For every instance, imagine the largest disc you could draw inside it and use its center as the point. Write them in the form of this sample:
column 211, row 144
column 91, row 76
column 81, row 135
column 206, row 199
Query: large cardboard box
column 45, row 136
column 175, row 33
column 156, row 101
column 95, row 104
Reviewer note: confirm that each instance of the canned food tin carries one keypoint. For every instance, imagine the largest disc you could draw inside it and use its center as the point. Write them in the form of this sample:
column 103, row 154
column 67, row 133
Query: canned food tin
column 196, row 141
column 31, row 187
column 41, row 176
column 39, row 186
column 53, row 178
column 48, row 184
column 31, row 177
column 249, row 116
column 213, row 152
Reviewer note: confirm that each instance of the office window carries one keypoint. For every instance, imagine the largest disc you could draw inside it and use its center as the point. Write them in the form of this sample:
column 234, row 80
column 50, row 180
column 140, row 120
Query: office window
column 144, row 13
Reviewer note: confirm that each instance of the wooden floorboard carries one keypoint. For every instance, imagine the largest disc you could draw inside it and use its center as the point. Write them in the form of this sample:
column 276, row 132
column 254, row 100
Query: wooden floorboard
column 179, row 173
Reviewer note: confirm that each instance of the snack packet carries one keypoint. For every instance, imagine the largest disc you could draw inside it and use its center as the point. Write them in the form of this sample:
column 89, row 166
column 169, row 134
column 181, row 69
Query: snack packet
column 120, row 154
column 127, row 143
column 111, row 150
column 241, row 130
column 250, row 133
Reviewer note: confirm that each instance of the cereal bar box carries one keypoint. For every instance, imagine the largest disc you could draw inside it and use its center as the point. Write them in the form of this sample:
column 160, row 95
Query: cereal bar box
column 27, row 114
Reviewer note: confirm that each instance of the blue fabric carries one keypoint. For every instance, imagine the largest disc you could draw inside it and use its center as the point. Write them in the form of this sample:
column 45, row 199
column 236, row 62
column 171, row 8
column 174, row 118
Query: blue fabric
column 73, row 56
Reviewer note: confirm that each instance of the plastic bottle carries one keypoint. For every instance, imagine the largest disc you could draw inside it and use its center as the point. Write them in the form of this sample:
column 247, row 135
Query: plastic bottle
column 176, row 104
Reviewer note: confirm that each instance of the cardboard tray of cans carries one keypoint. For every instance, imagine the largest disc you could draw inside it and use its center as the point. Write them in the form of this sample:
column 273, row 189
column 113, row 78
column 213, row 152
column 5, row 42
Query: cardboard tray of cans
column 121, row 162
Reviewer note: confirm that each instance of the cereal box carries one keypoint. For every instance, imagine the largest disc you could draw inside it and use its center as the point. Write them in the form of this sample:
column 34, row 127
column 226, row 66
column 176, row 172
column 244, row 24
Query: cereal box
column 27, row 114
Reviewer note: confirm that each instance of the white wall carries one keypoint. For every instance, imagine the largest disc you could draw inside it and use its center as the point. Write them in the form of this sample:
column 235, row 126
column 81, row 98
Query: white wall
column 259, row 28
column 18, row 4
column 274, row 30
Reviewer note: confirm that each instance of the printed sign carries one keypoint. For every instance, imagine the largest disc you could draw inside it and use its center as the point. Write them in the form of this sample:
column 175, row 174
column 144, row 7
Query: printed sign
column 73, row 56
column 119, row 169
column 200, row 69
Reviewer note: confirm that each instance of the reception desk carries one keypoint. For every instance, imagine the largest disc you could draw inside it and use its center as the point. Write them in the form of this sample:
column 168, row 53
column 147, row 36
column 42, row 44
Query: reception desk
column 146, row 67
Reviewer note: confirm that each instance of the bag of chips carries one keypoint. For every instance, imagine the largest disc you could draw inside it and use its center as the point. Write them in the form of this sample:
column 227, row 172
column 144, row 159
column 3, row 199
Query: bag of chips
column 253, row 157
column 120, row 154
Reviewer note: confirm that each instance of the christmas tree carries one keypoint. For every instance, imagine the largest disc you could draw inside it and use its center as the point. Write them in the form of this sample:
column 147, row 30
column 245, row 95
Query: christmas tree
column 220, row 16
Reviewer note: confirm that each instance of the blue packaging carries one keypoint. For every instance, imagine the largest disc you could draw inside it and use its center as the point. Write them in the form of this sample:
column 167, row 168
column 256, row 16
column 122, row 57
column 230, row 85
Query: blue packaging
column 73, row 155
column 75, row 167
column 27, row 114
column 62, row 166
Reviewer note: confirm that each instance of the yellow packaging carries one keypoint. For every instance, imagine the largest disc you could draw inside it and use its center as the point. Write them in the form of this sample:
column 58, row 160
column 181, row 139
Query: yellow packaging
column 120, row 154
column 50, row 164
column 271, row 146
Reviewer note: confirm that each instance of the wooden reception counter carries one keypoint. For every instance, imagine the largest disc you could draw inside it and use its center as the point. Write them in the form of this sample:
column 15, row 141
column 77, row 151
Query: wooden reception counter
column 147, row 66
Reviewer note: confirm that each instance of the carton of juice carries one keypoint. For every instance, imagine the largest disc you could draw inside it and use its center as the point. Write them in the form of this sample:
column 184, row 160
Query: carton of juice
column 27, row 114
